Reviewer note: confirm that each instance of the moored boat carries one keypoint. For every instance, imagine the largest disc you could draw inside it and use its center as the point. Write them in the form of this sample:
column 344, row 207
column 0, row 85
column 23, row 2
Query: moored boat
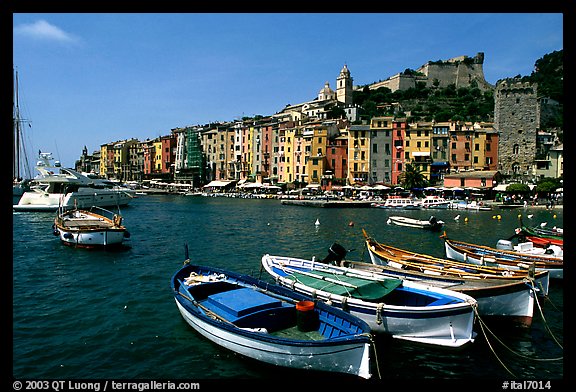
column 270, row 323
column 435, row 202
column 400, row 308
column 430, row 224
column 501, row 294
column 90, row 229
column 57, row 187
column 528, row 248
column 485, row 255
column 398, row 202
column 541, row 236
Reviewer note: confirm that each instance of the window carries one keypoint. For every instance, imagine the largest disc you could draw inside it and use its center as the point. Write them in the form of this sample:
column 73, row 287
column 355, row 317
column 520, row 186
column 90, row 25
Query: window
column 516, row 149
column 375, row 148
column 476, row 147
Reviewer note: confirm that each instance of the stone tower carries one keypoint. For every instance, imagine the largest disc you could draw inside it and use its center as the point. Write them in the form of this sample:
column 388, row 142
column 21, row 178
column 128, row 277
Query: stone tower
column 516, row 120
column 344, row 86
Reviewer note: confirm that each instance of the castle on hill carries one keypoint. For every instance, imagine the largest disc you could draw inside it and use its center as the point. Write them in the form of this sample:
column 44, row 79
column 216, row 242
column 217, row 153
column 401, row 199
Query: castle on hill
column 460, row 71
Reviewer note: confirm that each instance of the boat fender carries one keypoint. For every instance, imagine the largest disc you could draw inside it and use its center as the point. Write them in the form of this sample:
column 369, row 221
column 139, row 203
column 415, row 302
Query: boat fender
column 68, row 236
column 379, row 313
column 127, row 234
column 345, row 304
column 55, row 232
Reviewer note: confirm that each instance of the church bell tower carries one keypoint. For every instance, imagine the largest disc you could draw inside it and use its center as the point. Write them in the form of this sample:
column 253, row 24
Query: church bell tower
column 344, row 86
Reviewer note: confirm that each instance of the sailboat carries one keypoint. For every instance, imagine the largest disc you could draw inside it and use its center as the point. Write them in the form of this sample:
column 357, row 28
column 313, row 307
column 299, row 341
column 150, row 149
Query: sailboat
column 21, row 174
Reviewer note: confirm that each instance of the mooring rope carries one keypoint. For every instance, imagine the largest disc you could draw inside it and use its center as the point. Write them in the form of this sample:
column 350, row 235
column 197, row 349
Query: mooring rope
column 483, row 326
column 375, row 356
column 546, row 322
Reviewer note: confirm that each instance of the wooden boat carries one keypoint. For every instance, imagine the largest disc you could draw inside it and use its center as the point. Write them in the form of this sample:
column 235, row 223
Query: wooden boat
column 528, row 248
column 400, row 308
column 430, row 224
column 89, row 229
column 270, row 323
column 501, row 294
column 484, row 255
column 543, row 231
column 540, row 236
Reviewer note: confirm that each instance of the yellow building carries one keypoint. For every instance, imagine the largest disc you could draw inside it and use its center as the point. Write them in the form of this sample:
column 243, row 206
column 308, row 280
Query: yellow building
column 417, row 146
column 358, row 154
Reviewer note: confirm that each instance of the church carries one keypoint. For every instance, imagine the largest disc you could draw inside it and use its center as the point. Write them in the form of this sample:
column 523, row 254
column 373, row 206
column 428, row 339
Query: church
column 327, row 99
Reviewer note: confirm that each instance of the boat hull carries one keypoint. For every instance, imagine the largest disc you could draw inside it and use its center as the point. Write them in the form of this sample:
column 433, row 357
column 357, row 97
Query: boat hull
column 331, row 358
column 83, row 198
column 92, row 239
column 442, row 325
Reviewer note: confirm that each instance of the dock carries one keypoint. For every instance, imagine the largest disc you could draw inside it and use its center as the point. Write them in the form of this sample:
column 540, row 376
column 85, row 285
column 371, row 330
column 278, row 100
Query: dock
column 328, row 203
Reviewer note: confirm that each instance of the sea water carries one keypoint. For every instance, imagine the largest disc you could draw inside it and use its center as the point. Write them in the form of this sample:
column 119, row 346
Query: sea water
column 93, row 314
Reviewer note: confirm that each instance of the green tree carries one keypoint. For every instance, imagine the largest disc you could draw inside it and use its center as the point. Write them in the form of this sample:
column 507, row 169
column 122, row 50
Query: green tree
column 412, row 177
column 518, row 188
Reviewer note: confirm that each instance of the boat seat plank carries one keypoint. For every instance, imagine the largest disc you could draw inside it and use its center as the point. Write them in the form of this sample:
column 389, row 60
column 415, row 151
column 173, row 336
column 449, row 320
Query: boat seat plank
column 240, row 302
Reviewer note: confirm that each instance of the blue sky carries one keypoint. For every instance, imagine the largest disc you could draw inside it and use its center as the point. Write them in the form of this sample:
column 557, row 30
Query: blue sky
column 91, row 78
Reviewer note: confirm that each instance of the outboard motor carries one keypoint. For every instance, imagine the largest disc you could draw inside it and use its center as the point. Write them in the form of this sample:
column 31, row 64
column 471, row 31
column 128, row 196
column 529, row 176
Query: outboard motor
column 336, row 254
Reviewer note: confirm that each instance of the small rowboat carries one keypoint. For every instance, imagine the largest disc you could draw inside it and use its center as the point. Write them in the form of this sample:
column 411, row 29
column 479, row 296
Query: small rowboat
column 400, row 308
column 541, row 237
column 430, row 224
column 512, row 260
column 270, row 323
column 89, row 229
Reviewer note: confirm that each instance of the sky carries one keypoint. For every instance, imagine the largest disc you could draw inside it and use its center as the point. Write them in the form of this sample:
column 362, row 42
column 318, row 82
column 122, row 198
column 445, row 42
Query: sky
column 87, row 79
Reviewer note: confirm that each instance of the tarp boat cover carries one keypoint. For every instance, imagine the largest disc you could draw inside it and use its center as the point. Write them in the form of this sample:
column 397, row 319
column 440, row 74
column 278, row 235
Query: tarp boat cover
column 343, row 285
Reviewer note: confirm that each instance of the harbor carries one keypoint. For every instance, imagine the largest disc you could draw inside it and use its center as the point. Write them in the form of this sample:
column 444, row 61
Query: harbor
column 81, row 322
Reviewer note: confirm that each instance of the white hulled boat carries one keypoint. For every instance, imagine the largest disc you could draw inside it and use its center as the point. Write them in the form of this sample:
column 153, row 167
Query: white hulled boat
column 56, row 187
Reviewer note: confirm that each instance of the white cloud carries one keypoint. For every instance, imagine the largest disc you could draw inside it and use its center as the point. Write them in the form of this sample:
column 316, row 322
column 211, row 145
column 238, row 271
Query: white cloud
column 44, row 30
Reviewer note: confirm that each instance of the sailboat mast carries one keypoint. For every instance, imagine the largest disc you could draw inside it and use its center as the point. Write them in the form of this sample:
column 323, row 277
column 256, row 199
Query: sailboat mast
column 16, row 120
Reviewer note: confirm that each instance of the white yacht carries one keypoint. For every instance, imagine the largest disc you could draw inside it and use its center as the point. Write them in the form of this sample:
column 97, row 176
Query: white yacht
column 56, row 186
